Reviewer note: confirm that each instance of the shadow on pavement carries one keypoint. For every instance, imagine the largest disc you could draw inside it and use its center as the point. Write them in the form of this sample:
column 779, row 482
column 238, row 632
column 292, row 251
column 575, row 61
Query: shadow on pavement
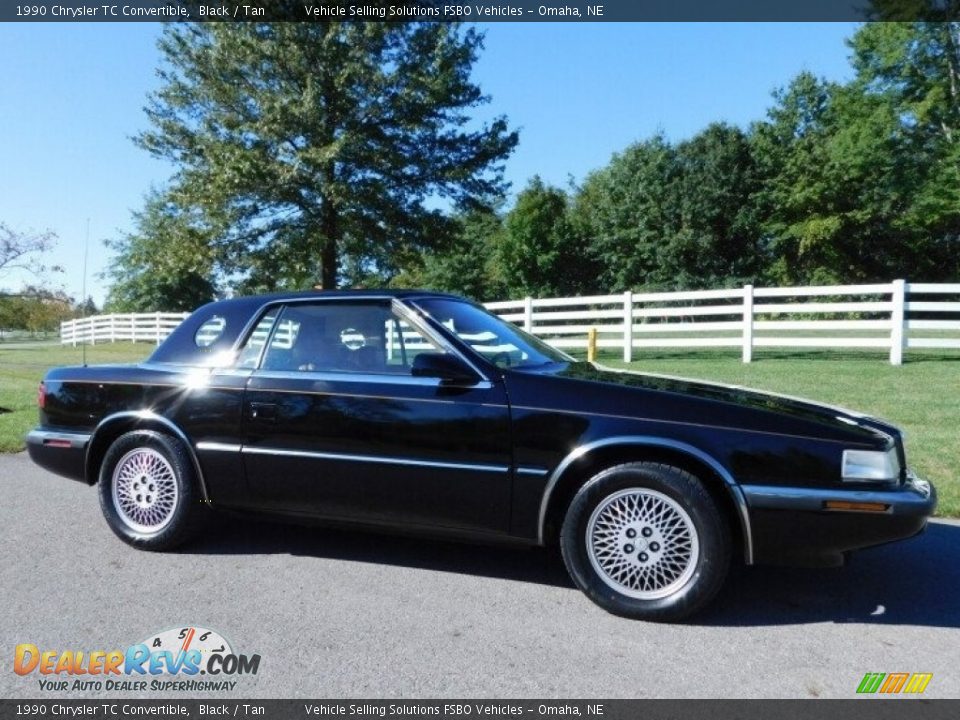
column 915, row 582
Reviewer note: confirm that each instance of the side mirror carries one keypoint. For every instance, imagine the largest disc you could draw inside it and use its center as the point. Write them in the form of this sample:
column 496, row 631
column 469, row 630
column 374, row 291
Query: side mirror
column 449, row 368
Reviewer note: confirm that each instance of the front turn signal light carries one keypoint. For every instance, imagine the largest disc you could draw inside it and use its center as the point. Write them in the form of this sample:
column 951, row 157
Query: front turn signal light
column 856, row 506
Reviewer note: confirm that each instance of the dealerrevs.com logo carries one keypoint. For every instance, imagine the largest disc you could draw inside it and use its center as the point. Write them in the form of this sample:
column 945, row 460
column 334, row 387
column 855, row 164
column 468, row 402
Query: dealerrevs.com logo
column 172, row 660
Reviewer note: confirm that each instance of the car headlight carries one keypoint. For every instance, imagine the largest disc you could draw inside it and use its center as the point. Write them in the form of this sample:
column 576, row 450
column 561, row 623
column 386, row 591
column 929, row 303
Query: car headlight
column 870, row 465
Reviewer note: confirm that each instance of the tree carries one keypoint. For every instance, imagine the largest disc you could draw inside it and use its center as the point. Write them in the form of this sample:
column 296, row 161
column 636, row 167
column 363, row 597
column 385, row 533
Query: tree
column 22, row 250
column 718, row 240
column 915, row 69
column 167, row 264
column 625, row 213
column 467, row 264
column 315, row 147
column 861, row 180
column 86, row 308
column 798, row 201
column 538, row 253
column 34, row 309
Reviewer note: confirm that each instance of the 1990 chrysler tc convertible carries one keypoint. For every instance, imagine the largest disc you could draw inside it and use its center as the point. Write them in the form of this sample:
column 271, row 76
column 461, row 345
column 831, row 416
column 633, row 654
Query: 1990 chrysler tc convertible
column 419, row 411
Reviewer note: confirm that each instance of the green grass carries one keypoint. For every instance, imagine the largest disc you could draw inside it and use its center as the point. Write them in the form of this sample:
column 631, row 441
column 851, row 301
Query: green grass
column 22, row 366
column 921, row 396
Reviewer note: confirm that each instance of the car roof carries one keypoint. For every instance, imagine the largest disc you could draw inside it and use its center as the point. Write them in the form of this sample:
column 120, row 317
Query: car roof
column 259, row 300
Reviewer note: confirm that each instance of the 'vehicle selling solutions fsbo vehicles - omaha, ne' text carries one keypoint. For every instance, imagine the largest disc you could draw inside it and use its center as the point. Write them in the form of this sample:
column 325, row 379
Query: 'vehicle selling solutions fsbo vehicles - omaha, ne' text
column 420, row 411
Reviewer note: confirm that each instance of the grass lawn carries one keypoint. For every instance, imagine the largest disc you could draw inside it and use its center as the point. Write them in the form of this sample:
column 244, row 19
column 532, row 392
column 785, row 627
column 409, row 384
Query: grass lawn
column 921, row 396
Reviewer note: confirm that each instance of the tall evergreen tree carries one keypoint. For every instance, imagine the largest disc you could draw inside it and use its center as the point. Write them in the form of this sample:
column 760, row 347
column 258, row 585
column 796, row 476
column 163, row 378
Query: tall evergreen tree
column 316, row 146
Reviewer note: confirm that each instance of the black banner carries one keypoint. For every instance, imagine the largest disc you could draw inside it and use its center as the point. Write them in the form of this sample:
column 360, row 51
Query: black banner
column 477, row 11
column 864, row 709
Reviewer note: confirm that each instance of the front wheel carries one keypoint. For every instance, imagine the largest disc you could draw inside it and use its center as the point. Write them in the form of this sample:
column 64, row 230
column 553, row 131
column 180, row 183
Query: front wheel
column 149, row 492
column 646, row 541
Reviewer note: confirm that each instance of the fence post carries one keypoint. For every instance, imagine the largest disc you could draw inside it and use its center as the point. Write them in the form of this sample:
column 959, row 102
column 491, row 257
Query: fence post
column 157, row 321
column 592, row 345
column 628, row 326
column 898, row 323
column 528, row 314
column 747, row 323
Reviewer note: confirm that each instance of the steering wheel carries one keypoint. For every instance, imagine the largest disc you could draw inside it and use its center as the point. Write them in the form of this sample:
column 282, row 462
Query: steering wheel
column 501, row 359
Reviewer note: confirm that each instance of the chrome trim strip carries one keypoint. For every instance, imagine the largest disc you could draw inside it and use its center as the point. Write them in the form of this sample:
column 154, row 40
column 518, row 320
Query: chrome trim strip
column 649, row 441
column 373, row 459
column 365, row 396
column 149, row 416
column 358, row 377
column 219, row 447
column 531, row 471
column 917, row 497
column 42, row 437
column 231, row 447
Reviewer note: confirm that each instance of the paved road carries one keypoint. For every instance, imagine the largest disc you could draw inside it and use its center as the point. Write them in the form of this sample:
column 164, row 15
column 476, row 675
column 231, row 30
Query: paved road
column 338, row 614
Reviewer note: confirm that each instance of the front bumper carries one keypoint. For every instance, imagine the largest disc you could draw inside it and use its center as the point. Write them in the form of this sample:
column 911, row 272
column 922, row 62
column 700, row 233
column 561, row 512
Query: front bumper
column 794, row 526
column 60, row 451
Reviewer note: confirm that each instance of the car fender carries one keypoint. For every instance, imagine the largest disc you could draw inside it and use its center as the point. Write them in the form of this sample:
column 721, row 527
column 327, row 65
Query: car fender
column 582, row 451
column 139, row 420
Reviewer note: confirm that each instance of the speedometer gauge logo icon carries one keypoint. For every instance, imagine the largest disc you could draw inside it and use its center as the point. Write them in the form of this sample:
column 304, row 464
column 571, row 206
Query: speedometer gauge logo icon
column 192, row 638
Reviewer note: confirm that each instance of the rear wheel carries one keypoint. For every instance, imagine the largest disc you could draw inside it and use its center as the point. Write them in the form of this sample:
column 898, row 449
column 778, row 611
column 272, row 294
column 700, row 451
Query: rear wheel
column 646, row 541
column 149, row 493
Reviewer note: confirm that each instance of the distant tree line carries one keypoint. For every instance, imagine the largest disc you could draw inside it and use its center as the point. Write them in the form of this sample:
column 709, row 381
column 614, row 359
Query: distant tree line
column 38, row 307
column 321, row 166
column 38, row 310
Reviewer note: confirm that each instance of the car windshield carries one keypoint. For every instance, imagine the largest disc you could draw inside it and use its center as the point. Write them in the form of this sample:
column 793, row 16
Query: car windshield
column 500, row 342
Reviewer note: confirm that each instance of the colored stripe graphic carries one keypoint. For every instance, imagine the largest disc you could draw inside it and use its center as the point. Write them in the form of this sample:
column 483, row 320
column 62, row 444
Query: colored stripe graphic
column 870, row 683
column 893, row 683
column 918, row 683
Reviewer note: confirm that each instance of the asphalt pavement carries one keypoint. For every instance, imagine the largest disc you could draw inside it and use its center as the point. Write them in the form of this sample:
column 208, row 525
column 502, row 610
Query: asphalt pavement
column 348, row 614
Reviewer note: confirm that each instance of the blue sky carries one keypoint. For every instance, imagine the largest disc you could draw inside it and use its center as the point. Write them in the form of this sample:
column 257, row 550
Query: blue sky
column 73, row 95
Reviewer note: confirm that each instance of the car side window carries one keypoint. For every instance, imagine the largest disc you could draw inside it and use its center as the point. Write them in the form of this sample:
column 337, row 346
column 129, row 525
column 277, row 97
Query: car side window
column 343, row 337
column 252, row 349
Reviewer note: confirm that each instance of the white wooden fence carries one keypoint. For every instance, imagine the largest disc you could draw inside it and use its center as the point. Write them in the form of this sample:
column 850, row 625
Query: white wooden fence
column 891, row 317
column 147, row 327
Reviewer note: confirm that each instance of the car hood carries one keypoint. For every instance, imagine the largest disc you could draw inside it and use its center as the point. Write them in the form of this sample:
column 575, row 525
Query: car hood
column 757, row 403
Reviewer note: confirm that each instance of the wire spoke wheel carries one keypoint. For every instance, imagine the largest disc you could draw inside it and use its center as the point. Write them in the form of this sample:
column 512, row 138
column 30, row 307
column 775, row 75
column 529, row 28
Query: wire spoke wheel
column 642, row 543
column 144, row 490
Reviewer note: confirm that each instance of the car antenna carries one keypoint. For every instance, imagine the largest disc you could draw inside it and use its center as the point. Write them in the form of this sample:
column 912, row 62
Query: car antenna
column 83, row 290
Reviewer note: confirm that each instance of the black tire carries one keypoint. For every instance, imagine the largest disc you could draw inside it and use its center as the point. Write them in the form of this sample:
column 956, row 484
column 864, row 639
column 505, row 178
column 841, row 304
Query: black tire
column 182, row 508
column 699, row 573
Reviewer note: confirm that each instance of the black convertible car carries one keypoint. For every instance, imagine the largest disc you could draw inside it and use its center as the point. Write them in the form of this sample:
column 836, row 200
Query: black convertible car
column 420, row 411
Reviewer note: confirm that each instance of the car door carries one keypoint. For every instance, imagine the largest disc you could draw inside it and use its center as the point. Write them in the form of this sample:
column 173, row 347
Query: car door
column 336, row 426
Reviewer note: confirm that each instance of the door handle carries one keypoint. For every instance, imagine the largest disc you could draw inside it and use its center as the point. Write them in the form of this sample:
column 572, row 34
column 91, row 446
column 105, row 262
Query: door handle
column 263, row 411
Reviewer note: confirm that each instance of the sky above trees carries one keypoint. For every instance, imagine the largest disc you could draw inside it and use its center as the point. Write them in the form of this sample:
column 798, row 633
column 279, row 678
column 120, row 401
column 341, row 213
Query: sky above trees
column 578, row 94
